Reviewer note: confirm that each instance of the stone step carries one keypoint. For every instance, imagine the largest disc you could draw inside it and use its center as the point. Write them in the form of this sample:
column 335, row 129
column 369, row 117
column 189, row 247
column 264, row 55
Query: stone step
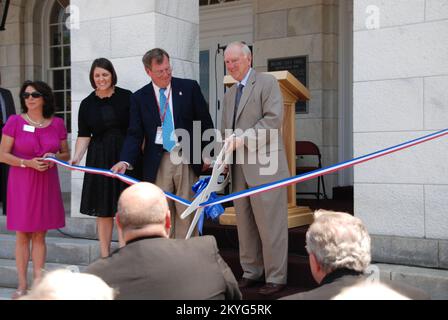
column 6, row 293
column 59, row 250
column 74, row 227
column 433, row 281
column 8, row 273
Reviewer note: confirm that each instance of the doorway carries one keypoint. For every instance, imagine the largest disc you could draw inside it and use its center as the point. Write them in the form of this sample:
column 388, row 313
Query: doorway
column 220, row 24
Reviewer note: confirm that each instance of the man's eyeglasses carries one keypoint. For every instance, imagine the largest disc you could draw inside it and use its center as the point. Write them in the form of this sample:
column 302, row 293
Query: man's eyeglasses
column 160, row 73
column 34, row 94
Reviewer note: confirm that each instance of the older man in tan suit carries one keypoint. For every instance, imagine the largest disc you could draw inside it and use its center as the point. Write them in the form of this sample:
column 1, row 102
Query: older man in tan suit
column 253, row 110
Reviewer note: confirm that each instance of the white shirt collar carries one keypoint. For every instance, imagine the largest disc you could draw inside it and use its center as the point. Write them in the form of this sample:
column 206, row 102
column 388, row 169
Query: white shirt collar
column 246, row 77
column 157, row 89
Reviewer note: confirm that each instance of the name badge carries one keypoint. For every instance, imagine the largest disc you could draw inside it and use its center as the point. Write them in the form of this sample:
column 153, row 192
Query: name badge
column 159, row 137
column 28, row 128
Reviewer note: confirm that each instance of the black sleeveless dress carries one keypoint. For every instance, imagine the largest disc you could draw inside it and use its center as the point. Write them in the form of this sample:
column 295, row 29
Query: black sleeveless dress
column 105, row 121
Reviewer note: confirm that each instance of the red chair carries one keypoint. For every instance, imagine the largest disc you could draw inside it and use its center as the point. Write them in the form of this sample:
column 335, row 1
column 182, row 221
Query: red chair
column 307, row 148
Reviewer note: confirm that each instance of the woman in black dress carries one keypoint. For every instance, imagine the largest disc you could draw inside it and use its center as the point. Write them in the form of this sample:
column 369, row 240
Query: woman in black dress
column 102, row 124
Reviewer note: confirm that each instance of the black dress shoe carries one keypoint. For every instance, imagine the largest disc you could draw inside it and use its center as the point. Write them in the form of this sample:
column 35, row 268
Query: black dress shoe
column 270, row 288
column 247, row 283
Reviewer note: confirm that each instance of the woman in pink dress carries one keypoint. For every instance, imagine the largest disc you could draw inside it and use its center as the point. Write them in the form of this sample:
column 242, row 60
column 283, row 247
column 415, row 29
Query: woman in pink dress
column 34, row 194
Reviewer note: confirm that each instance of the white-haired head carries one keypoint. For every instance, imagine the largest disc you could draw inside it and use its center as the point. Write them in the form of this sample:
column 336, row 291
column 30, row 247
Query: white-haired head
column 238, row 60
column 63, row 284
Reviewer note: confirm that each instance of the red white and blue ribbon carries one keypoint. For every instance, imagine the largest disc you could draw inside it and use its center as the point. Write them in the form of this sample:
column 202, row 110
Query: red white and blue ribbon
column 108, row 173
column 324, row 171
column 269, row 186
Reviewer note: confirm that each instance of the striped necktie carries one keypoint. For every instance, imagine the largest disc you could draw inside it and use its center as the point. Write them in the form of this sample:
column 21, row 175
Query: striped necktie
column 239, row 93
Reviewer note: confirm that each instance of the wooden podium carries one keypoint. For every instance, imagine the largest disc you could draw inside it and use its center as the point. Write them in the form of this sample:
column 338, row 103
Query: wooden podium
column 292, row 90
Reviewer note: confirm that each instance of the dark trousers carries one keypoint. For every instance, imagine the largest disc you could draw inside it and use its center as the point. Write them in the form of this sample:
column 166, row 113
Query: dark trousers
column 3, row 185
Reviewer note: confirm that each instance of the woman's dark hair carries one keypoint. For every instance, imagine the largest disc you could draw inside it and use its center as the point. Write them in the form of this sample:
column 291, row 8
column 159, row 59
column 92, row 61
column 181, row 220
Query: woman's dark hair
column 47, row 94
column 104, row 64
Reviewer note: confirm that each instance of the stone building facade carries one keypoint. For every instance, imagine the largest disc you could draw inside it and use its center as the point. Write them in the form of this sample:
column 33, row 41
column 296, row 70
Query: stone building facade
column 399, row 94
column 377, row 71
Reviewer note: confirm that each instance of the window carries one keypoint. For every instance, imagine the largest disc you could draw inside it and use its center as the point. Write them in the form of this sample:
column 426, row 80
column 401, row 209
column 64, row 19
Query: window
column 60, row 60
column 210, row 2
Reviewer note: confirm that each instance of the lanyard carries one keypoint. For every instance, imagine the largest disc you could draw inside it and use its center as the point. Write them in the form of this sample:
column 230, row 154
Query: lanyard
column 162, row 117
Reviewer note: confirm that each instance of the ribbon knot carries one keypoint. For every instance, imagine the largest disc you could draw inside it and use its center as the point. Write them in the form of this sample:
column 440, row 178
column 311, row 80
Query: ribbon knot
column 211, row 212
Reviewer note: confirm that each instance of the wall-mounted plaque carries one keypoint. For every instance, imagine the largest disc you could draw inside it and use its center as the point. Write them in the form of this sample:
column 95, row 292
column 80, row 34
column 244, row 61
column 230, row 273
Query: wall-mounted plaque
column 298, row 66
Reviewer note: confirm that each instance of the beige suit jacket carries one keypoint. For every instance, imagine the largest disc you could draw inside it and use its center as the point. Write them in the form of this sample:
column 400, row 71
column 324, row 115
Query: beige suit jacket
column 260, row 109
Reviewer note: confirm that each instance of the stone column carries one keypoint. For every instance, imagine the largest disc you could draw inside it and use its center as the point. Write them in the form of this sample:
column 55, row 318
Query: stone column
column 306, row 28
column 12, row 50
column 123, row 31
column 400, row 93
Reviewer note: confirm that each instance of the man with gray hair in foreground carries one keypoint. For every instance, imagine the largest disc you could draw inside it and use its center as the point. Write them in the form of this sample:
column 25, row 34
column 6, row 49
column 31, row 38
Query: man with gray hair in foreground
column 151, row 266
column 338, row 245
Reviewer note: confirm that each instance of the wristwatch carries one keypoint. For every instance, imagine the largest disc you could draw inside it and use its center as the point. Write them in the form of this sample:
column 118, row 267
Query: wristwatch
column 22, row 163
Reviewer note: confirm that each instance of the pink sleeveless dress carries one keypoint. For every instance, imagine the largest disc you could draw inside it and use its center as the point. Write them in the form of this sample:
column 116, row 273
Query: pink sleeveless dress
column 34, row 200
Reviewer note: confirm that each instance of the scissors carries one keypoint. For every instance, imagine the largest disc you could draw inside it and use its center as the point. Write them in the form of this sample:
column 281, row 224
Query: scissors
column 212, row 186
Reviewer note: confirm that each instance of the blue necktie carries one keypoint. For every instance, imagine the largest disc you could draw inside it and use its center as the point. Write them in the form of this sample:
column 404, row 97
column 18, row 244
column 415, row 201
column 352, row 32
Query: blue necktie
column 168, row 123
